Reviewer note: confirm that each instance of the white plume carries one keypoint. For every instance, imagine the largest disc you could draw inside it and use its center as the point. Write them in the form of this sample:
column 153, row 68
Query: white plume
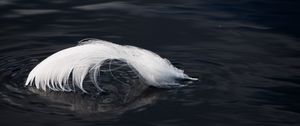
column 76, row 62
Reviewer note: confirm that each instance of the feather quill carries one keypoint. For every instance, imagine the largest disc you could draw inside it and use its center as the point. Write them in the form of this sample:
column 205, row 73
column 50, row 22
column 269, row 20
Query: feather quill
column 76, row 62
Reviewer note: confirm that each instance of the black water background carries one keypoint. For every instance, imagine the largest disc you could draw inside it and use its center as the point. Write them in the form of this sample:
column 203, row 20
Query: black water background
column 245, row 53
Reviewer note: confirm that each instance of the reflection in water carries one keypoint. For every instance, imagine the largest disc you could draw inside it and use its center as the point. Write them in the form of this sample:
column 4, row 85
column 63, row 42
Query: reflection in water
column 106, row 106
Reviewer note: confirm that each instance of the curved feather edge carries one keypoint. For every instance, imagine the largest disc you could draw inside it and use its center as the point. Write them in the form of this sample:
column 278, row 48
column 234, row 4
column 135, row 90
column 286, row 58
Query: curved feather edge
column 76, row 62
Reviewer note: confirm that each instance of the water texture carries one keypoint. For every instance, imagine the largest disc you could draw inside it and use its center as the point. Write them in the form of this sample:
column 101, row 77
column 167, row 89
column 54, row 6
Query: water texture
column 245, row 53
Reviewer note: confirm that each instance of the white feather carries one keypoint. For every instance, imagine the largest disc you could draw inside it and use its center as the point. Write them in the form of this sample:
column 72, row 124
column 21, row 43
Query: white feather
column 76, row 62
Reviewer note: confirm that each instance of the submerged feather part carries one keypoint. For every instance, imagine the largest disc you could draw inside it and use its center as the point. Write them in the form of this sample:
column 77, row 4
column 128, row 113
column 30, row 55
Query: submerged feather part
column 76, row 62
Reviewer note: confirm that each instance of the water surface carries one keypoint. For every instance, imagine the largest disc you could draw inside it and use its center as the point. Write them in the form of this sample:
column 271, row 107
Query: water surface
column 245, row 53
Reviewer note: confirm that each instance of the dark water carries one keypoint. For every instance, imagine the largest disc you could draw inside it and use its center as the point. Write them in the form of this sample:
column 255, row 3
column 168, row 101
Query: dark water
column 246, row 54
